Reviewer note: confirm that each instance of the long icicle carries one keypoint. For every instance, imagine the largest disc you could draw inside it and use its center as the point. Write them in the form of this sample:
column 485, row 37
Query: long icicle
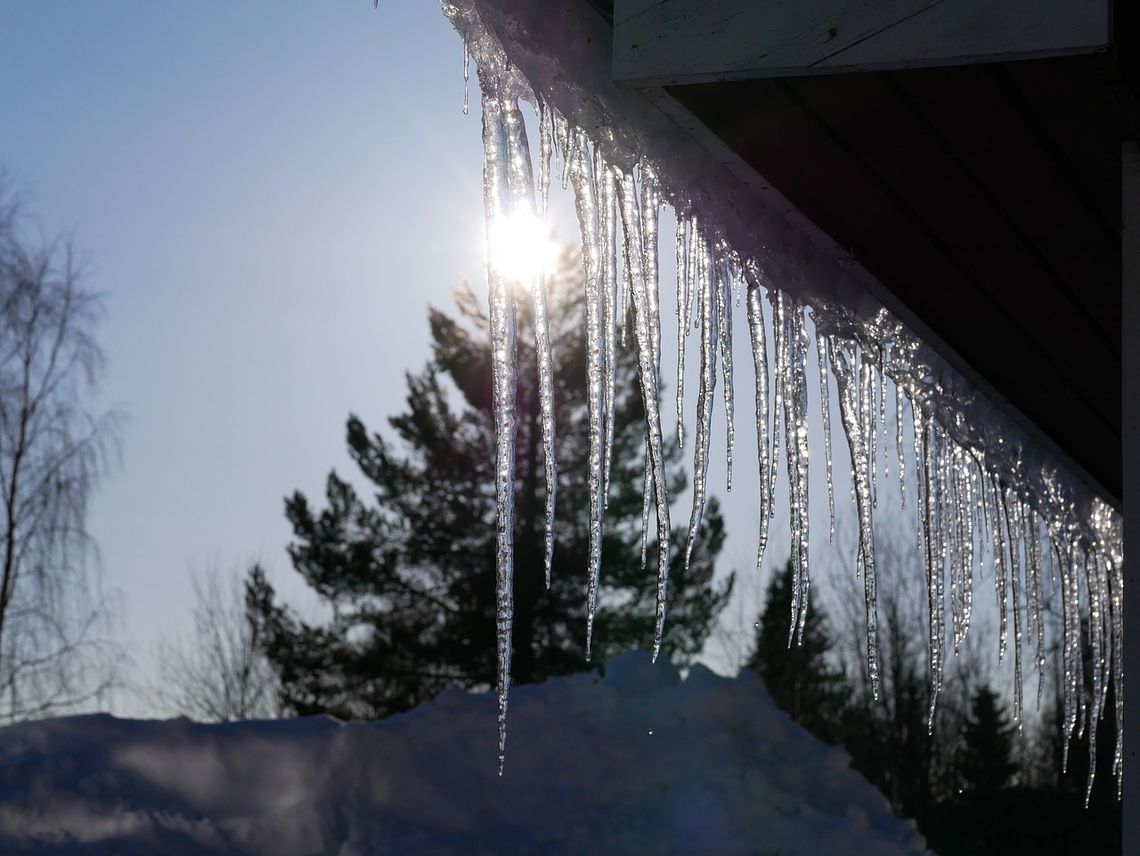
column 798, row 440
column 825, row 416
column 607, row 197
column 521, row 181
column 760, row 364
column 586, row 204
column 682, row 322
column 706, row 394
column 646, row 234
column 849, row 414
column 496, row 206
column 933, row 559
column 644, row 310
column 722, row 281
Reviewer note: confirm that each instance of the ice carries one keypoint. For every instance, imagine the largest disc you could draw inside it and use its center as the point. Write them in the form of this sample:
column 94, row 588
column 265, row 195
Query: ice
column 647, row 324
column 1013, row 525
column 706, row 393
column 650, row 219
column 825, row 416
column 607, row 199
column 466, row 70
column 984, row 490
column 791, row 380
column 497, row 205
column 521, row 182
column 898, row 447
column 723, row 285
column 586, row 203
column 842, row 367
column 763, row 415
column 683, row 304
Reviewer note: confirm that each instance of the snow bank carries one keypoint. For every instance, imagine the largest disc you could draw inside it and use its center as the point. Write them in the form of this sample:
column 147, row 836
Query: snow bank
column 635, row 762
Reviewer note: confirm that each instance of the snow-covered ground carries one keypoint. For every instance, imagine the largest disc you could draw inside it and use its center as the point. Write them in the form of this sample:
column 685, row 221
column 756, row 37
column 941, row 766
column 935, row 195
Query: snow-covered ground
column 636, row 762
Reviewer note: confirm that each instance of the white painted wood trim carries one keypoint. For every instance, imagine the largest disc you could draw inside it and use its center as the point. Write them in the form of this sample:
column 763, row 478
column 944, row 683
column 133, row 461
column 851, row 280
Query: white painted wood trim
column 661, row 42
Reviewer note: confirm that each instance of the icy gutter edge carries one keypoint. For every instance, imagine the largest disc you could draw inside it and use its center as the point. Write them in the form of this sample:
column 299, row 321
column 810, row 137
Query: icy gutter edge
column 561, row 52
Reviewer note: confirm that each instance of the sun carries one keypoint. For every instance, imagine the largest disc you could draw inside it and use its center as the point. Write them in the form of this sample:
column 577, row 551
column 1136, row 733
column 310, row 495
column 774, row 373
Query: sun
column 520, row 247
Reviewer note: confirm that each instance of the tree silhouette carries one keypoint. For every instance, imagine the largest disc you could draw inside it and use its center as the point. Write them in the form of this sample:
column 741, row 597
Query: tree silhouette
column 409, row 577
column 801, row 678
column 987, row 764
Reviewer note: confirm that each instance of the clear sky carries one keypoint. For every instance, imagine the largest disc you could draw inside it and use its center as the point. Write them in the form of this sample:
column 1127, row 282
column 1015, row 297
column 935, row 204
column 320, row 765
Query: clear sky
column 269, row 195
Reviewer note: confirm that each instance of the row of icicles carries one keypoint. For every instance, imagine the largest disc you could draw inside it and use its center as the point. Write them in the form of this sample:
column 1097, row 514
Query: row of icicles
column 961, row 505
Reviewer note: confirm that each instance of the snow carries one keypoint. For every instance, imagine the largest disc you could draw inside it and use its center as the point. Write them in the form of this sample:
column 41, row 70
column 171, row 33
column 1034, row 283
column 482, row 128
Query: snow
column 636, row 762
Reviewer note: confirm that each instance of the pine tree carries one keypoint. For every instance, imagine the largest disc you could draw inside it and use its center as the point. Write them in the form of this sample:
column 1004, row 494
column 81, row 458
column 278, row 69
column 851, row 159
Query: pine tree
column 987, row 764
column 409, row 577
column 801, row 678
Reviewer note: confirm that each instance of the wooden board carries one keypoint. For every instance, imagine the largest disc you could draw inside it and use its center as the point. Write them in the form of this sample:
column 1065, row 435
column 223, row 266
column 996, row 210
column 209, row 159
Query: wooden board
column 664, row 42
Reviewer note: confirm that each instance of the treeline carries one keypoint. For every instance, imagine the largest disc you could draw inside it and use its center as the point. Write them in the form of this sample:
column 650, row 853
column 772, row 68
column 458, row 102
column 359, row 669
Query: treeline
column 974, row 783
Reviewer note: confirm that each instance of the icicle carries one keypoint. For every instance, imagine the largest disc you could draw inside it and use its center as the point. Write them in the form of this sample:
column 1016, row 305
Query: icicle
column 849, row 414
column 649, row 271
column 899, row 442
column 780, row 336
column 1070, row 608
column 934, row 561
column 607, row 191
column 1013, row 526
column 521, row 183
column 919, row 481
column 466, row 69
column 706, row 312
column 1033, row 589
column 502, row 328
column 1116, row 584
column 796, row 416
column 722, row 284
column 682, row 323
column 1096, row 628
column 760, row 364
column 646, row 500
column 644, row 309
column 545, row 150
column 966, row 487
column 570, row 137
column 586, row 204
column 953, row 516
column 650, row 215
column 881, row 382
column 869, row 379
column 825, row 413
column 999, row 570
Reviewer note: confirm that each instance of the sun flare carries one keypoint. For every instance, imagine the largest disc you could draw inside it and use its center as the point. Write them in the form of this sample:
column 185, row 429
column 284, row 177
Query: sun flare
column 521, row 247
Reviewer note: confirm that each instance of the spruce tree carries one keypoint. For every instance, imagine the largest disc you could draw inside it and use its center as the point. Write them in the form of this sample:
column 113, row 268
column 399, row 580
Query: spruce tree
column 801, row 678
column 408, row 573
column 987, row 764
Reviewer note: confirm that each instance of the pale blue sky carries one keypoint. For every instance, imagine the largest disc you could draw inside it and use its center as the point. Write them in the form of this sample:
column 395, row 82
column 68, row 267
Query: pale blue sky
column 269, row 195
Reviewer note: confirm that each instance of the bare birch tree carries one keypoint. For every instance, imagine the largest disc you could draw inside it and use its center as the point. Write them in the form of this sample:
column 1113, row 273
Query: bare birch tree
column 218, row 674
column 54, row 655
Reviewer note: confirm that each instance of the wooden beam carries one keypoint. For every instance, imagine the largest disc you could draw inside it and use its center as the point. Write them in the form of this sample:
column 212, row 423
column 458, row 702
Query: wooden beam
column 663, row 42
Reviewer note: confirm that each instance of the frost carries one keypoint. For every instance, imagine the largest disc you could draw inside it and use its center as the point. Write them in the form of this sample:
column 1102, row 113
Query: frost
column 981, row 488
